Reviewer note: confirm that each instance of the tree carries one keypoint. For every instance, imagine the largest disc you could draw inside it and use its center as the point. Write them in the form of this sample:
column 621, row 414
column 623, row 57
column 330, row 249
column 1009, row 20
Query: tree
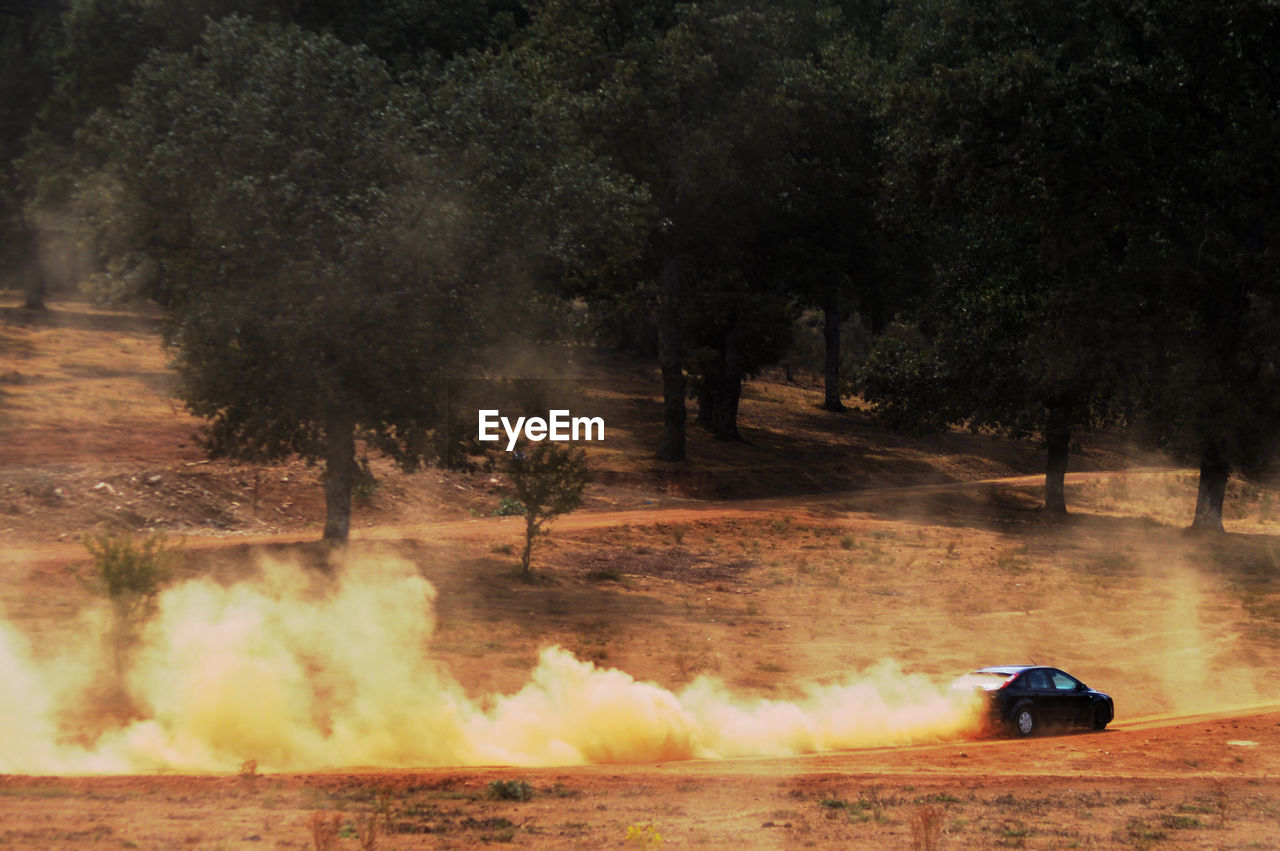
column 62, row 61
column 1210, row 84
column 1012, row 160
column 548, row 480
column 542, row 219
column 1095, row 187
column 619, row 70
column 90, row 56
column 263, row 188
column 29, row 33
column 828, row 246
column 409, row 33
column 690, row 102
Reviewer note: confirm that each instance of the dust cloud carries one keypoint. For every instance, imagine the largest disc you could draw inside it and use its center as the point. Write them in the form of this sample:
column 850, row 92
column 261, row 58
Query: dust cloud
column 295, row 672
column 1204, row 662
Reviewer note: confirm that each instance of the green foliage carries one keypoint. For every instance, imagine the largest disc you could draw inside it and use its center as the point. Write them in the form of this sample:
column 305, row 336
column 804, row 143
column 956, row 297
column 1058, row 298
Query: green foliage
column 548, row 479
column 903, row 380
column 266, row 188
column 709, row 110
column 807, row 350
column 365, row 484
column 1070, row 208
column 509, row 506
column 1212, row 220
column 128, row 571
column 28, row 41
column 510, row 790
column 1031, row 304
column 1064, row 176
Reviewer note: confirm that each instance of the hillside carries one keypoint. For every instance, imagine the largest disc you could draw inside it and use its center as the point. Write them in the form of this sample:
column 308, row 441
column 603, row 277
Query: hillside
column 805, row 591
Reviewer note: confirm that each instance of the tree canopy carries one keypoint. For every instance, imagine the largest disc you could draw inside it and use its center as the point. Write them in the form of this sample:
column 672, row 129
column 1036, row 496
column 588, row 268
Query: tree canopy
column 1061, row 163
column 1051, row 217
column 261, row 187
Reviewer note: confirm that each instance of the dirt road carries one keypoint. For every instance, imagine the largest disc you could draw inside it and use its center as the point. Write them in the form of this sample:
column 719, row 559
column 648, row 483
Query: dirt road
column 1189, row 783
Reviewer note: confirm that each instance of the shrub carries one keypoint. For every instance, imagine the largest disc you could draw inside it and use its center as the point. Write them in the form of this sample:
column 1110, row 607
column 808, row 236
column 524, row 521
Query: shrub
column 926, row 828
column 508, row 507
column 325, row 830
column 510, row 790
column 364, row 483
column 130, row 573
column 644, row 834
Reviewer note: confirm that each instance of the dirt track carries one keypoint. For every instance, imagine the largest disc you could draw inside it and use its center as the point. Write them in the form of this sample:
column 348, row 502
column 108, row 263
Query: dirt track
column 686, row 511
column 1196, row 783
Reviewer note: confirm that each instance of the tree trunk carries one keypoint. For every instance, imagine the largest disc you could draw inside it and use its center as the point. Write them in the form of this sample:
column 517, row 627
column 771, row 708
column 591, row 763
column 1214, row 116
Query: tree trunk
column 530, row 535
column 1057, row 436
column 671, row 361
column 35, row 288
column 718, row 405
column 722, row 389
column 1212, row 491
column 831, row 339
column 339, row 476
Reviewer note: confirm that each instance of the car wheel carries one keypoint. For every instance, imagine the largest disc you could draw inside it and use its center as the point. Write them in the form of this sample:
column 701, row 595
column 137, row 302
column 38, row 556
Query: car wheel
column 1024, row 721
column 1101, row 717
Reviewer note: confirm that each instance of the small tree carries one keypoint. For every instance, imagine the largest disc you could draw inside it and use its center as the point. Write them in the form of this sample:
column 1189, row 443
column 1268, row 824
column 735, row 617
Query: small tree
column 130, row 573
column 548, row 480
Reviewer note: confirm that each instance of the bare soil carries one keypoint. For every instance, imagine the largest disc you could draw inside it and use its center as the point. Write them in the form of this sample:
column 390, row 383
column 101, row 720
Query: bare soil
column 817, row 549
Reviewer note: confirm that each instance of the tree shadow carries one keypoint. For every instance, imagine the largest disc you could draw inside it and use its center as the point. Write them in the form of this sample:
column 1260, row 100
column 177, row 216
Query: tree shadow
column 80, row 318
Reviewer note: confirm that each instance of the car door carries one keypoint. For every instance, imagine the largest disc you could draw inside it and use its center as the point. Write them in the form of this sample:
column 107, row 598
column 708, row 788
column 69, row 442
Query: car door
column 1071, row 697
column 1037, row 686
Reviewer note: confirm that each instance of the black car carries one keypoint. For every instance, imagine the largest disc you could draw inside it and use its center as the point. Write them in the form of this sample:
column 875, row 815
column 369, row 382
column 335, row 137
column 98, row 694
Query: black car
column 1025, row 699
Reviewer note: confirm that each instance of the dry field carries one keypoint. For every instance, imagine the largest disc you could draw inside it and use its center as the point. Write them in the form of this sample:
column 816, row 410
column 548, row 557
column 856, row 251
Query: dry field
column 750, row 650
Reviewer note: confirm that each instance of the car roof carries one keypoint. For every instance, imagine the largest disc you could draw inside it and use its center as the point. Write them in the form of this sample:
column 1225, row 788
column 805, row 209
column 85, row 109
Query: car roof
column 1006, row 669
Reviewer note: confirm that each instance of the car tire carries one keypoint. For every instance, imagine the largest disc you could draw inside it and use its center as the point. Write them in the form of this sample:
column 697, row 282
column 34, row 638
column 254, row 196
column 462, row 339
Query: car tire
column 1024, row 722
column 1101, row 717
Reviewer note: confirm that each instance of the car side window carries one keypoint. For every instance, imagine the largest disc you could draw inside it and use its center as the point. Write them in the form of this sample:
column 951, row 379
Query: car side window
column 1037, row 679
column 1063, row 682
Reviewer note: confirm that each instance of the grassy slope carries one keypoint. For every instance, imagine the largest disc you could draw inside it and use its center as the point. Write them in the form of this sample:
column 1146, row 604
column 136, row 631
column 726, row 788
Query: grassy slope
column 793, row 591
column 765, row 596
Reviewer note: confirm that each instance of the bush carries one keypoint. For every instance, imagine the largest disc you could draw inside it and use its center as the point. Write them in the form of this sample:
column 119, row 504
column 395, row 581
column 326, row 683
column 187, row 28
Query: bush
column 131, row 574
column 364, row 483
column 508, row 507
column 510, row 790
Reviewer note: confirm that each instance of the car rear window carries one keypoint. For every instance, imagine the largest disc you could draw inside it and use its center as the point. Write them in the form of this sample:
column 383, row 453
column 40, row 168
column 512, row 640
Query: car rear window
column 989, row 680
column 1035, row 679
